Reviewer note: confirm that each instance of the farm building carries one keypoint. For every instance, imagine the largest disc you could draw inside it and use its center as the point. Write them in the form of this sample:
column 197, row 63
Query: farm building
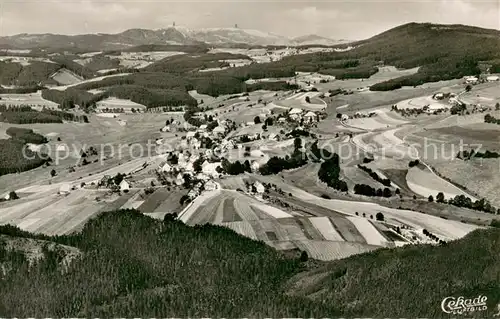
column 281, row 120
column 259, row 187
column 272, row 137
column 210, row 169
column 7, row 197
column 166, row 129
column 310, row 117
column 250, row 123
column 190, row 135
column 124, row 186
column 167, row 168
column 210, row 186
column 492, row 78
column 202, row 128
column 471, row 79
column 295, row 113
column 344, row 117
column 64, row 189
column 219, row 130
column 255, row 166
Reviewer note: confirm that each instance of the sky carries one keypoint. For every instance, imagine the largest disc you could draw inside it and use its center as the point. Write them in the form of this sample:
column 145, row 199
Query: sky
column 337, row 19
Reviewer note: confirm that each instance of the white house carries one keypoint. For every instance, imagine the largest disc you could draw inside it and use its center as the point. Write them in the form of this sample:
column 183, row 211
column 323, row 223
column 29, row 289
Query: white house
column 250, row 123
column 202, row 177
column 64, row 189
column 165, row 129
column 202, row 128
column 195, row 143
column 492, row 78
column 7, row 197
column 471, row 79
column 179, row 180
column 281, row 120
column 167, row 168
column 189, row 167
column 211, row 169
column 272, row 137
column 310, row 117
column 255, row 166
column 344, row 117
column 260, row 188
column 124, row 186
column 190, row 135
column 219, row 130
column 210, row 186
column 295, row 113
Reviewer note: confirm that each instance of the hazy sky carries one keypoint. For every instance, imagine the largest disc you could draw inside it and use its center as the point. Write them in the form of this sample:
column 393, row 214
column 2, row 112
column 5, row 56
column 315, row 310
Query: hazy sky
column 353, row 19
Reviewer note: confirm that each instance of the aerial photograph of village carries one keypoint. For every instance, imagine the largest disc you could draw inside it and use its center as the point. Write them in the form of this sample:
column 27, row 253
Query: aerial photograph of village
column 250, row 159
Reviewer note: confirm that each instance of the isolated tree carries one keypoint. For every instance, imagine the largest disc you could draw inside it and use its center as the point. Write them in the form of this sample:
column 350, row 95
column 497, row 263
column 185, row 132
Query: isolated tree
column 431, row 199
column 59, row 138
column 468, row 88
column 297, row 143
column 303, row 256
column 371, row 216
column 53, row 173
column 379, row 216
column 256, row 120
column 414, row 196
column 497, row 106
column 13, row 195
column 440, row 197
column 364, row 214
column 169, row 217
column 308, row 100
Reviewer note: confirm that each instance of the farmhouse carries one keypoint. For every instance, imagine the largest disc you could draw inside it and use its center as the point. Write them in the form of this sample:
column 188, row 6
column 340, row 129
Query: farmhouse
column 124, row 186
column 255, row 166
column 310, row 117
column 471, row 79
column 190, row 135
column 219, row 130
column 167, row 168
column 210, row 186
column 64, row 189
column 259, row 187
column 295, row 113
column 210, row 169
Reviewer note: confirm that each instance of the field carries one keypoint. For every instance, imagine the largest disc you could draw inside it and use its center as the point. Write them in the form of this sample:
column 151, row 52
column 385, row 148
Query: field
column 112, row 103
column 32, row 99
column 66, row 77
column 487, row 94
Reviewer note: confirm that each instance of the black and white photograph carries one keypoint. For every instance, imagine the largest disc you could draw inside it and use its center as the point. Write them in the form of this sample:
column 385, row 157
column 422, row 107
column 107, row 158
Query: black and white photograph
column 249, row 159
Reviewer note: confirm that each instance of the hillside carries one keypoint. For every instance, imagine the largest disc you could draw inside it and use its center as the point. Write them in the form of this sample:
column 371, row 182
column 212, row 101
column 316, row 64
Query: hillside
column 133, row 265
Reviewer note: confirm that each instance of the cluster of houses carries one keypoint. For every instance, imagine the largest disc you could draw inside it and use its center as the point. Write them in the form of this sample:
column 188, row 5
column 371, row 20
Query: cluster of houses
column 298, row 115
column 475, row 79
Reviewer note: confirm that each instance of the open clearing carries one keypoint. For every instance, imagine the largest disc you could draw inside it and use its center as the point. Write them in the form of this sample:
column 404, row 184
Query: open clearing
column 32, row 99
column 66, row 77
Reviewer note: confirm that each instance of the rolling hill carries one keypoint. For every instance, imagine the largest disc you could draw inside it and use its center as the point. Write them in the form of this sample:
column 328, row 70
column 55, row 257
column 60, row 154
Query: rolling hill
column 133, row 265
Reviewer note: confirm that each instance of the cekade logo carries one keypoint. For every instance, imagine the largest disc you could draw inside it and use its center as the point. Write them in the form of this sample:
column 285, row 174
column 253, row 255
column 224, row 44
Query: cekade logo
column 462, row 305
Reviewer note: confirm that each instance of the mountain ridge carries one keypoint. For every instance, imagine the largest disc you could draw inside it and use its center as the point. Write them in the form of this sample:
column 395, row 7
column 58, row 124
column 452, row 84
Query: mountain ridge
column 169, row 35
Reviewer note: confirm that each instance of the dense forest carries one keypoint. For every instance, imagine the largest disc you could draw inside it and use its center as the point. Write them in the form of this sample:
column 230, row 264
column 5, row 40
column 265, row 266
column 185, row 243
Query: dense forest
column 134, row 266
column 26, row 115
column 16, row 156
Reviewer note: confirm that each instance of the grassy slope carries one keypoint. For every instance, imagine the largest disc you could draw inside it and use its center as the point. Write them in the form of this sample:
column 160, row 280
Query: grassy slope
column 136, row 266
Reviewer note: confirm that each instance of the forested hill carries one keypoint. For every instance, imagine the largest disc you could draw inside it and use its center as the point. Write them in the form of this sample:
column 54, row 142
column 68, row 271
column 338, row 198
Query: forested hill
column 132, row 265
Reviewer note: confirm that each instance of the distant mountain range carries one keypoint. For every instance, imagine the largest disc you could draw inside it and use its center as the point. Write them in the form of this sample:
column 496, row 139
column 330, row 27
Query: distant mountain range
column 171, row 35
